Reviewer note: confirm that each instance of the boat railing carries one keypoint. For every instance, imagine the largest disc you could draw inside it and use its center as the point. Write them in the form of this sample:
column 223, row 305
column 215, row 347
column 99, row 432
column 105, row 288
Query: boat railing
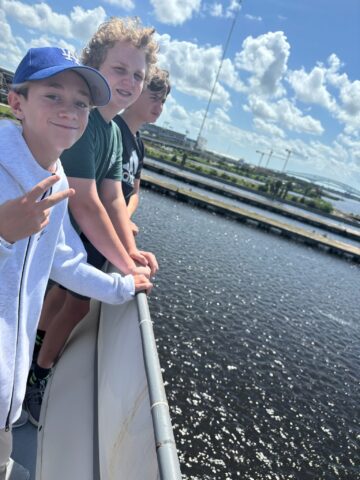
column 168, row 461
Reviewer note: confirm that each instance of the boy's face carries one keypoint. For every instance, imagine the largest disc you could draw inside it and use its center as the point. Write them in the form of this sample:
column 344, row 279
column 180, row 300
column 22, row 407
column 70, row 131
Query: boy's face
column 124, row 68
column 149, row 106
column 55, row 113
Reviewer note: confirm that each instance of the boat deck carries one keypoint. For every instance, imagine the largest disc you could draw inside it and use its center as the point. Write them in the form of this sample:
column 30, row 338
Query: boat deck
column 24, row 451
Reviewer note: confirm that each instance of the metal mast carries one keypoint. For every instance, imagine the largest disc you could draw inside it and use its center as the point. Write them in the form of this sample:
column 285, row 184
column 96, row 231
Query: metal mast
column 217, row 76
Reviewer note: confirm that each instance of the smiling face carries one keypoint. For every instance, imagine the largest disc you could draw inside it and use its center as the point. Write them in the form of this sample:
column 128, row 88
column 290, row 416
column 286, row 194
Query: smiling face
column 54, row 114
column 124, row 68
column 149, row 106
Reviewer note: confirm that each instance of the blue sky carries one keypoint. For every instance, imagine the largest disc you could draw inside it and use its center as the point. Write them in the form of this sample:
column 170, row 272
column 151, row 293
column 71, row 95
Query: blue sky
column 290, row 79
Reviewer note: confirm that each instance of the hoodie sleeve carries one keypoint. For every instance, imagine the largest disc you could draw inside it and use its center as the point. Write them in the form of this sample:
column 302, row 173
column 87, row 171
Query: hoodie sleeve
column 6, row 251
column 70, row 269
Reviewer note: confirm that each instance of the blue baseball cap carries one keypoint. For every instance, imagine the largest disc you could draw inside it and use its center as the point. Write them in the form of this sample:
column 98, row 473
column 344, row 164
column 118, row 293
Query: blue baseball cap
column 44, row 62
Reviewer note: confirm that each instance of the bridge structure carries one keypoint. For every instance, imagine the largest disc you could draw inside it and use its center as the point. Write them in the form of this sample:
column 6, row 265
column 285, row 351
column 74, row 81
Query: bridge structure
column 327, row 182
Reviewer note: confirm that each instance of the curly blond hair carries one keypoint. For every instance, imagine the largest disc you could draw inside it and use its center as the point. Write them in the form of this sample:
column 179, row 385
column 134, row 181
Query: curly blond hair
column 124, row 30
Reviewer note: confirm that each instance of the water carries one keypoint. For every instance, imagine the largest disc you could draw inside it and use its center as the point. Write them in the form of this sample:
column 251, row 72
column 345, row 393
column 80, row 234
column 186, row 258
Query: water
column 348, row 205
column 259, row 340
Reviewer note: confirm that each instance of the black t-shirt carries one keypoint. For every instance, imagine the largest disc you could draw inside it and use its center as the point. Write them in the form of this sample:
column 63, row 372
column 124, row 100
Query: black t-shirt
column 132, row 159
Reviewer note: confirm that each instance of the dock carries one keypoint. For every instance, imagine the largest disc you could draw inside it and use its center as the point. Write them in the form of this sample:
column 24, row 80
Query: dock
column 351, row 230
column 313, row 239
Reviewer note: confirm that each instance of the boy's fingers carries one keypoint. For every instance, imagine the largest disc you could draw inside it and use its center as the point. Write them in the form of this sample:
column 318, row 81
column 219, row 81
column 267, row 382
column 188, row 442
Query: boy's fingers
column 41, row 188
column 55, row 198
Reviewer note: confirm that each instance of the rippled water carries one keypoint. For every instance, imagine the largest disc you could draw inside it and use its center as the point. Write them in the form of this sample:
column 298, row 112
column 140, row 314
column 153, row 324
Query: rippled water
column 259, row 340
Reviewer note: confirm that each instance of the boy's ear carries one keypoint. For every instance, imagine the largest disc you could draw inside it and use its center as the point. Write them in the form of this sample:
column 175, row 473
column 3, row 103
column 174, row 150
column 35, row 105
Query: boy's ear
column 15, row 103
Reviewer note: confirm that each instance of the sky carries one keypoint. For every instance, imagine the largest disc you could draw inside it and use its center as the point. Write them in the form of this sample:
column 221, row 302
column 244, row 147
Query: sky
column 290, row 79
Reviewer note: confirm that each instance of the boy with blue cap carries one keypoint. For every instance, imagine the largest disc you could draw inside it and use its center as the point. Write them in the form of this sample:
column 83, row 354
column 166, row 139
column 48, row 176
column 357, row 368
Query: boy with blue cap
column 51, row 96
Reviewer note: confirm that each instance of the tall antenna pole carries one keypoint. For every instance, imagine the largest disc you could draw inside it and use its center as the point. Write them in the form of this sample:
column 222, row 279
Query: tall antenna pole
column 289, row 152
column 217, row 77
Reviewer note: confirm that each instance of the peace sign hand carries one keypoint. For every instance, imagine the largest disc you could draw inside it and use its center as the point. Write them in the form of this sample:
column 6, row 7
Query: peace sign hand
column 27, row 215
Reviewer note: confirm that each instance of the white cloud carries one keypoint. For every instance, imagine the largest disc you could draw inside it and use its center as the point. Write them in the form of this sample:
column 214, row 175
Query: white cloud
column 179, row 113
column 38, row 16
column 221, row 116
column 347, row 108
column 285, row 113
column 351, row 144
column 175, row 12
column 268, row 128
column 125, row 4
column 350, row 97
column 10, row 52
column 193, row 69
column 48, row 41
column 230, row 77
column 216, row 10
column 314, row 88
column 85, row 22
column 80, row 24
column 253, row 18
column 260, row 108
column 265, row 58
column 311, row 88
column 293, row 119
column 233, row 7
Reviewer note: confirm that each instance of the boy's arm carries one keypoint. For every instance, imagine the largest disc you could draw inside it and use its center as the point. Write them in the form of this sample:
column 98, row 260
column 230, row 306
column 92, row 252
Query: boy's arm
column 70, row 269
column 93, row 219
column 134, row 199
column 133, row 204
column 111, row 195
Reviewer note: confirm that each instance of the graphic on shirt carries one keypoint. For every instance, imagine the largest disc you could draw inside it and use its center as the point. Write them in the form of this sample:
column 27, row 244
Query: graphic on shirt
column 130, row 169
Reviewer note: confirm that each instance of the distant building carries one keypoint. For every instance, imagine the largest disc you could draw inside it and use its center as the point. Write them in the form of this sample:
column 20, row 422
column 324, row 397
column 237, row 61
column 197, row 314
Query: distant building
column 165, row 135
column 6, row 78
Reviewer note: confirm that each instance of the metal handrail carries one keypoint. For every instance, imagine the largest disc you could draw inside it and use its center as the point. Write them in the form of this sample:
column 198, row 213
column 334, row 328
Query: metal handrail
column 169, row 465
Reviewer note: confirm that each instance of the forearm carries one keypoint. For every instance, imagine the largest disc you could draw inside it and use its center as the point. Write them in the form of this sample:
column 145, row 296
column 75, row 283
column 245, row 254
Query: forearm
column 120, row 219
column 133, row 204
column 96, row 224
column 70, row 269
column 91, row 282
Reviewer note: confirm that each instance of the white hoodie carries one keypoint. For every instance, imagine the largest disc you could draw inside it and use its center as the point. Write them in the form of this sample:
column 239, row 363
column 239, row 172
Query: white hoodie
column 25, row 267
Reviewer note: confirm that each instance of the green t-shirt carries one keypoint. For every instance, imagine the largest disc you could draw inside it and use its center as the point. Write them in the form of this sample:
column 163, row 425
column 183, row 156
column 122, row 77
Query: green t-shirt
column 97, row 154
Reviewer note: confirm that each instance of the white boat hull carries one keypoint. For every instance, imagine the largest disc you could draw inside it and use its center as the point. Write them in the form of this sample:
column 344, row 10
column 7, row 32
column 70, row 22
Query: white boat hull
column 77, row 440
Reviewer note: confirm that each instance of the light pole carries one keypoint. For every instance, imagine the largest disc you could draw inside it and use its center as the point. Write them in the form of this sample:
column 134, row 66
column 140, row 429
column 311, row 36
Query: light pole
column 287, row 158
column 268, row 160
column 261, row 156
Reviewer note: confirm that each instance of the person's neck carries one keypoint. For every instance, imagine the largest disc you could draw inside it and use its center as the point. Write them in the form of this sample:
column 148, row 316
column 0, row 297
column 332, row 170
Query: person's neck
column 47, row 160
column 107, row 112
column 133, row 122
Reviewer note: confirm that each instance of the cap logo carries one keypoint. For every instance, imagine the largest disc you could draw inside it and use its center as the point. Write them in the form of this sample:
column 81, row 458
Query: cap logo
column 70, row 56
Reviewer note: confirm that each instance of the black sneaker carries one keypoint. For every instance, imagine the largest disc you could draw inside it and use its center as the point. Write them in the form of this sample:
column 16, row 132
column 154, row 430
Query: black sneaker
column 33, row 400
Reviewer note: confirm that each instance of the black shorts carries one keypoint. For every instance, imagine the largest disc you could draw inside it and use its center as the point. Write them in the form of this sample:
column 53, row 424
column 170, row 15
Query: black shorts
column 94, row 258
